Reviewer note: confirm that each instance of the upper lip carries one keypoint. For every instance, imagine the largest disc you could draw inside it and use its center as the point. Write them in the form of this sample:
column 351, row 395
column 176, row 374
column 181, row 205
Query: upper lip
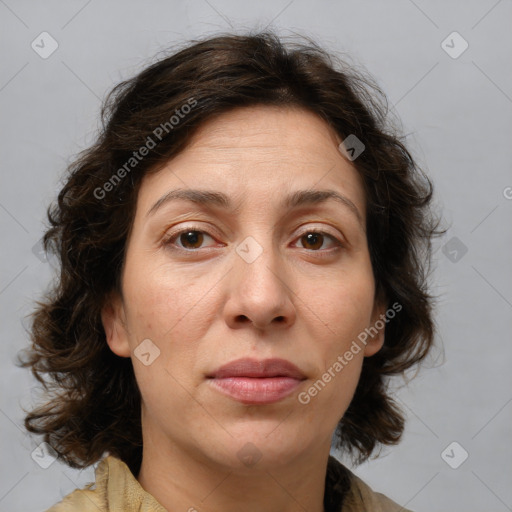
column 255, row 368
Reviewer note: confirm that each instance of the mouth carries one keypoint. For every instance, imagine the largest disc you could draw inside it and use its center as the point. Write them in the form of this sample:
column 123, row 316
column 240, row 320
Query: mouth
column 250, row 381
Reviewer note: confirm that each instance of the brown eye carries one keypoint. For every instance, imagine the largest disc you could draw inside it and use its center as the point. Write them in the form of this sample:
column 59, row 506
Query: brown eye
column 191, row 239
column 314, row 240
column 188, row 239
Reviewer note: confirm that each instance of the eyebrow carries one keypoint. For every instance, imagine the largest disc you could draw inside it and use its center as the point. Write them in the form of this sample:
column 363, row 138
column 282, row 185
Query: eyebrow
column 221, row 200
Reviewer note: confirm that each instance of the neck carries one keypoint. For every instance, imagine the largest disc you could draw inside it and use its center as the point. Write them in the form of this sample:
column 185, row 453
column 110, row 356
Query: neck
column 179, row 480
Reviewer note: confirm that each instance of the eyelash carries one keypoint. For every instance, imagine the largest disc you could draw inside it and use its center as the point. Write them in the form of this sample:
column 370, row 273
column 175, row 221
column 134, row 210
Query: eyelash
column 167, row 241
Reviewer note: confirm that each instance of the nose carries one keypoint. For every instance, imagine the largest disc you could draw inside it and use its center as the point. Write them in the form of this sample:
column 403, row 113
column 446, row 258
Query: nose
column 260, row 293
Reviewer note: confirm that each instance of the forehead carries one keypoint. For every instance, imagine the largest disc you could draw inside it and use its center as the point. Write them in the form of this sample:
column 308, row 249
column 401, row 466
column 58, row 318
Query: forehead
column 288, row 134
column 257, row 121
column 259, row 153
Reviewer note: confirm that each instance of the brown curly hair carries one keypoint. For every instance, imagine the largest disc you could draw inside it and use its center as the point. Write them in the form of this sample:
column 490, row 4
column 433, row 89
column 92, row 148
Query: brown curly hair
column 94, row 402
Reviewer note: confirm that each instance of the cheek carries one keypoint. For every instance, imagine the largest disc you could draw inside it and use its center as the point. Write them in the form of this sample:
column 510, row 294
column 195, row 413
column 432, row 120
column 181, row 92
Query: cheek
column 162, row 311
column 161, row 299
column 348, row 303
column 344, row 306
column 170, row 309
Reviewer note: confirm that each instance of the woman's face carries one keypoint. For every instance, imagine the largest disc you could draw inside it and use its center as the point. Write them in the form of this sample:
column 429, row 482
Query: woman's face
column 252, row 276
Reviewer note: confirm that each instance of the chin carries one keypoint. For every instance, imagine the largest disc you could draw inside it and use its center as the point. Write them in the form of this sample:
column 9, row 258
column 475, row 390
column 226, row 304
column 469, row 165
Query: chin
column 259, row 447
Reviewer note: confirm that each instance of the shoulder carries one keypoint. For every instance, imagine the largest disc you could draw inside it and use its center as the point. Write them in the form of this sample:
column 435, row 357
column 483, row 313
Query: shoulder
column 79, row 500
column 115, row 488
column 83, row 500
column 92, row 497
column 361, row 498
column 361, row 494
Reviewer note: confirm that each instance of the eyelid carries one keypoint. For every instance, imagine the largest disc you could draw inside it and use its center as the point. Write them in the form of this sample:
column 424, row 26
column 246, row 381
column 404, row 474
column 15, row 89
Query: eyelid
column 167, row 237
column 323, row 230
column 339, row 241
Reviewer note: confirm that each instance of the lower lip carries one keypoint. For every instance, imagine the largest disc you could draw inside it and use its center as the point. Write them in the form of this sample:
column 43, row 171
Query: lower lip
column 256, row 390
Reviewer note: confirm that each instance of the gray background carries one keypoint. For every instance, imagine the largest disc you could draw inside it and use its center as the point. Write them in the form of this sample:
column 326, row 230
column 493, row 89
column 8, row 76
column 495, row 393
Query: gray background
column 457, row 114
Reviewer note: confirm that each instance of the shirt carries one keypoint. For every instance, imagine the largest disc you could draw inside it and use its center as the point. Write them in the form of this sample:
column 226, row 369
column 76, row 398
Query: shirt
column 117, row 490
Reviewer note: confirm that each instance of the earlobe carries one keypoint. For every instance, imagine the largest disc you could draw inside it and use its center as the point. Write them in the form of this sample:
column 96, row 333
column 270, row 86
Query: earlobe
column 115, row 333
column 376, row 330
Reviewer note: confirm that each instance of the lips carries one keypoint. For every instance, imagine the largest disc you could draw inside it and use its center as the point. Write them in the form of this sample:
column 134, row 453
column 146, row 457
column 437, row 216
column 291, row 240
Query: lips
column 254, row 368
column 255, row 382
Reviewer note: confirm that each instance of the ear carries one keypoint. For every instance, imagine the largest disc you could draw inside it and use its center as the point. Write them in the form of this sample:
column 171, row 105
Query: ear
column 376, row 329
column 113, row 320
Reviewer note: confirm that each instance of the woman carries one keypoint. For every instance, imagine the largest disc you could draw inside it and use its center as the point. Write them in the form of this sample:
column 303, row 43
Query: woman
column 243, row 257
